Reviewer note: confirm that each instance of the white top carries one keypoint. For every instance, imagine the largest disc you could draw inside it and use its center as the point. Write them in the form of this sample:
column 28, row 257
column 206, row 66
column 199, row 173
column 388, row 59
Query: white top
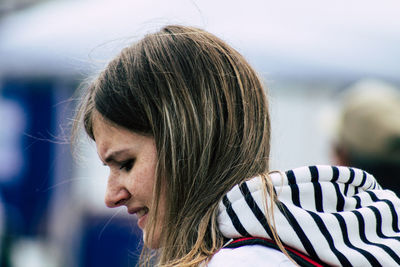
column 250, row 255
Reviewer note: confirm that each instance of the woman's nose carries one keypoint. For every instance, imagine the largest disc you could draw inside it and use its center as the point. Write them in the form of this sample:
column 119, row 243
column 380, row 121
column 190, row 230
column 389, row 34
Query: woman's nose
column 116, row 194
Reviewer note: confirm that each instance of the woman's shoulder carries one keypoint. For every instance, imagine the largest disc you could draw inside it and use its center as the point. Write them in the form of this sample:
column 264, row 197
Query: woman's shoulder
column 251, row 255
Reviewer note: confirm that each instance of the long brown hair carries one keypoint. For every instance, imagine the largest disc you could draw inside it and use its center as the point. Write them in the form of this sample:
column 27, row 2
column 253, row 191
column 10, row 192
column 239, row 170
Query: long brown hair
column 207, row 111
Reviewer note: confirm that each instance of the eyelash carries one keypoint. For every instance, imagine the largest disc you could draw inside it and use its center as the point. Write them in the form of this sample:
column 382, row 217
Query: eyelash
column 127, row 165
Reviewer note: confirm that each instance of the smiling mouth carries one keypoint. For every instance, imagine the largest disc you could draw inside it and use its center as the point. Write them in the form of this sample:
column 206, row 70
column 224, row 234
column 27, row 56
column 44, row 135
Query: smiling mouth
column 140, row 212
column 142, row 217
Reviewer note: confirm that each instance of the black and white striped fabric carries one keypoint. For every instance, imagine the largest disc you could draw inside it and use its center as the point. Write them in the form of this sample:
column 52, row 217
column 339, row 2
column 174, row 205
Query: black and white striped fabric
column 337, row 215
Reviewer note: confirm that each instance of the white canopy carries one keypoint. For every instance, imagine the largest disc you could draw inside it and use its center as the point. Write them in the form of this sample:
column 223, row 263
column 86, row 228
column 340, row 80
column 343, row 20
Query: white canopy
column 307, row 38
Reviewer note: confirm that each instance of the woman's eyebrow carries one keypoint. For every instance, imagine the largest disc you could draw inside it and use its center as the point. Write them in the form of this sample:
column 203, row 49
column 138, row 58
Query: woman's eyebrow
column 111, row 157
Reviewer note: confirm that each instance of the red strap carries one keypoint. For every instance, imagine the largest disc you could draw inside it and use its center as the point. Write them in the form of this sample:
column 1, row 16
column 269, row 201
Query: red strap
column 296, row 252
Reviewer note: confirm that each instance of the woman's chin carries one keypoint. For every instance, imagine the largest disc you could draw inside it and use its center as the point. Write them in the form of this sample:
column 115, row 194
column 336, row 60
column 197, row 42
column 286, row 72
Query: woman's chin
column 152, row 243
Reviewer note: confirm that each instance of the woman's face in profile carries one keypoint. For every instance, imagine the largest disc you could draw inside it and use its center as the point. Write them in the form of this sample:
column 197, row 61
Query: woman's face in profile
column 132, row 160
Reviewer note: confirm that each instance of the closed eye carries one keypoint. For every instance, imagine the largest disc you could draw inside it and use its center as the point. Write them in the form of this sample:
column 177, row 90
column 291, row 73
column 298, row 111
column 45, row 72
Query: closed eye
column 127, row 165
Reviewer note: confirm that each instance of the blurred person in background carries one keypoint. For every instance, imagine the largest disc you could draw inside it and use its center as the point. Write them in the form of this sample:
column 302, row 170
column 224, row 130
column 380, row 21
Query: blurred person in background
column 182, row 122
column 368, row 133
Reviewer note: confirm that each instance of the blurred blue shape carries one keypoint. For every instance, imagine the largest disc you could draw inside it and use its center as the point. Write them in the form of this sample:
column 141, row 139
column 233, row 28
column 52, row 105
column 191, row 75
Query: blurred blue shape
column 117, row 243
column 23, row 192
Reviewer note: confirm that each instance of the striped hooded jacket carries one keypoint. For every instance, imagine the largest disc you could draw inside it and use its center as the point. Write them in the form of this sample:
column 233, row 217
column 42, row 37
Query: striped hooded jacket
column 338, row 216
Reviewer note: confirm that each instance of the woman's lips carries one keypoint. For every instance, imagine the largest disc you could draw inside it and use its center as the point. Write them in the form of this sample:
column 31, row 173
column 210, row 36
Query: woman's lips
column 142, row 221
column 141, row 213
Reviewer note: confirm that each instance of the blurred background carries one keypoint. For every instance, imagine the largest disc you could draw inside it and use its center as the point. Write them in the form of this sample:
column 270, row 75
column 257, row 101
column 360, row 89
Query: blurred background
column 309, row 54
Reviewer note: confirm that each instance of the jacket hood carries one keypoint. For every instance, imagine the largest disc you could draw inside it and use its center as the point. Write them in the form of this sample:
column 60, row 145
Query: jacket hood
column 337, row 215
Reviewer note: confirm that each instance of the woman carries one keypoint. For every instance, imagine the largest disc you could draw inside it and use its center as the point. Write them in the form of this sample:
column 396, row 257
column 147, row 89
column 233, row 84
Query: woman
column 182, row 121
